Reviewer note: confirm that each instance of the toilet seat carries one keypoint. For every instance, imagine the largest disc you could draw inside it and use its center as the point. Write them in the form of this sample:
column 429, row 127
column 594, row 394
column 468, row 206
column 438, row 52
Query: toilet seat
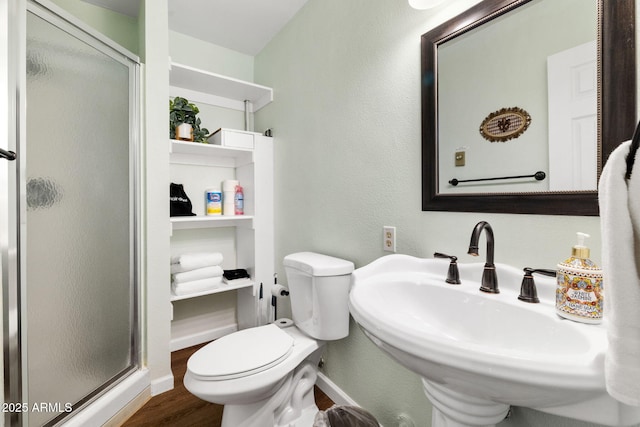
column 242, row 353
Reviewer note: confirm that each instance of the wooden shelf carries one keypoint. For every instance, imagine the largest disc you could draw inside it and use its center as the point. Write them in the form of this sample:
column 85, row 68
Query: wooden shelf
column 222, row 288
column 216, row 89
column 189, row 222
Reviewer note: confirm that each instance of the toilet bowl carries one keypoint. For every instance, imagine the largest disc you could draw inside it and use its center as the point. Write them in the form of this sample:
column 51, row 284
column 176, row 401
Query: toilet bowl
column 265, row 375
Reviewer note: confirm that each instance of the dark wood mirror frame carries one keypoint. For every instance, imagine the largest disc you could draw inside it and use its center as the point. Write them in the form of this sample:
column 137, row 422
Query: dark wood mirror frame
column 616, row 115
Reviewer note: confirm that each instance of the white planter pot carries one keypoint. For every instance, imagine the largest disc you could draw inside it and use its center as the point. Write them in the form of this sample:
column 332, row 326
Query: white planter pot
column 184, row 132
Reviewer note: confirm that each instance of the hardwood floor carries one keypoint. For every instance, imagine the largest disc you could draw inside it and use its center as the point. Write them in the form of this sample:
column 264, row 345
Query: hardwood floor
column 180, row 408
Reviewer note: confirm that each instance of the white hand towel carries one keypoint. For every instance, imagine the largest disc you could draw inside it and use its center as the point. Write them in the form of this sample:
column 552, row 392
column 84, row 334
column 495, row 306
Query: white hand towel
column 197, row 274
column 196, row 286
column 193, row 260
column 620, row 223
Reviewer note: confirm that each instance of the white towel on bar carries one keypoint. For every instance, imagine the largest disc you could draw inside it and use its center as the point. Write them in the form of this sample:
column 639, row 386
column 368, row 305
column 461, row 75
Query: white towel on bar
column 196, row 286
column 197, row 274
column 620, row 222
column 193, row 260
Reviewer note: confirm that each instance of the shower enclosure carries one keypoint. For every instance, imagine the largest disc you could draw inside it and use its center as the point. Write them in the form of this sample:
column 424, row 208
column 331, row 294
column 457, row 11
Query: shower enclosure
column 68, row 214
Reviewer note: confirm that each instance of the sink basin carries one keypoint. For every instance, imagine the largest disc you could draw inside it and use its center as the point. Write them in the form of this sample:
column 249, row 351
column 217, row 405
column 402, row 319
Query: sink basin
column 484, row 351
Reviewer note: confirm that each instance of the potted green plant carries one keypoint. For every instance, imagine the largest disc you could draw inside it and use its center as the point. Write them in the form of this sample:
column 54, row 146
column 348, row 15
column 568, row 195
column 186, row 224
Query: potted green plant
column 182, row 112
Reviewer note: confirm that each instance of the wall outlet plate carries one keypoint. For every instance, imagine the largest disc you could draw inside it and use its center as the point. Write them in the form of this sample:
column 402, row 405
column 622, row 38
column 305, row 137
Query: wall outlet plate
column 389, row 238
column 460, row 158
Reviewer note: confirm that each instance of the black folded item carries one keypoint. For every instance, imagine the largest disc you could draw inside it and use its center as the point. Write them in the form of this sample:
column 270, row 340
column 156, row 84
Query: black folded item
column 239, row 273
column 179, row 203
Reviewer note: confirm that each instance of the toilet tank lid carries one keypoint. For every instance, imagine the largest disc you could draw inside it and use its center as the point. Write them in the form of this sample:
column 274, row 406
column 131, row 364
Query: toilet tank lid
column 318, row 264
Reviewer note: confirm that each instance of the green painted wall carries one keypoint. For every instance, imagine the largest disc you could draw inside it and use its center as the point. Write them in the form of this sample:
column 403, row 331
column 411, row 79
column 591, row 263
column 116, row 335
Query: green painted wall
column 185, row 49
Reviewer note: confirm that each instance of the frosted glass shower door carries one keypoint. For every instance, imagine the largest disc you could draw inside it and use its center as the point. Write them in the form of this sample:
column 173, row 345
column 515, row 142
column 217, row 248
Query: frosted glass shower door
column 79, row 248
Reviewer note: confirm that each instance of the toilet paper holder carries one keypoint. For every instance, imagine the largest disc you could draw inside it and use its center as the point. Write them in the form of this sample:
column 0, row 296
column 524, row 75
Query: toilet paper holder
column 277, row 291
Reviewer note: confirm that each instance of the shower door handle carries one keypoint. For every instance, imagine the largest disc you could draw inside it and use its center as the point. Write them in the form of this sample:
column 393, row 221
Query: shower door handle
column 9, row 155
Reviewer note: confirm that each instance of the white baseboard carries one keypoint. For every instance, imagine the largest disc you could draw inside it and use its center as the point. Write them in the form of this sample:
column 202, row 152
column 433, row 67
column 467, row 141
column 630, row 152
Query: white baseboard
column 162, row 384
column 178, row 343
column 334, row 392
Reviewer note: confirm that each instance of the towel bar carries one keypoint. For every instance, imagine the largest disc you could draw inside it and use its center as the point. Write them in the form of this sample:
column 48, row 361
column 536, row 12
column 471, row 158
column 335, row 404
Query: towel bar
column 539, row 176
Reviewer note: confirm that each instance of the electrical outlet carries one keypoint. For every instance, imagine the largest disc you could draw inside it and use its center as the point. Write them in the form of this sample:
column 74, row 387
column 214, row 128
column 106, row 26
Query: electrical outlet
column 460, row 158
column 389, row 238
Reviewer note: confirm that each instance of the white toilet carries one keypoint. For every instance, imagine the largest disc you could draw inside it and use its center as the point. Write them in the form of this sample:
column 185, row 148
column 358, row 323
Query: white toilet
column 265, row 375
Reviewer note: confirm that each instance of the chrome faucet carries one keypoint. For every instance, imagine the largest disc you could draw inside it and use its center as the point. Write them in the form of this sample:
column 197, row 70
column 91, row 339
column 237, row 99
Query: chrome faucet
column 489, row 278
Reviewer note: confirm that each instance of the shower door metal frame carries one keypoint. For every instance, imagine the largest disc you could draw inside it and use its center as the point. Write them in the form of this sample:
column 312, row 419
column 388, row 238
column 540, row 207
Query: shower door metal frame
column 10, row 19
column 13, row 206
column 12, row 15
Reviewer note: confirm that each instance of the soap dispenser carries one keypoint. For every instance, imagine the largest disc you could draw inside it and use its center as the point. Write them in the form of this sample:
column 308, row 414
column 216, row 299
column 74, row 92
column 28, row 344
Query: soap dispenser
column 579, row 294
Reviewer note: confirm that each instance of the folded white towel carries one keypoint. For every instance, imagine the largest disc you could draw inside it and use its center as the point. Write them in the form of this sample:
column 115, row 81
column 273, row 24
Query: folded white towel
column 193, row 260
column 620, row 222
column 196, row 286
column 197, row 274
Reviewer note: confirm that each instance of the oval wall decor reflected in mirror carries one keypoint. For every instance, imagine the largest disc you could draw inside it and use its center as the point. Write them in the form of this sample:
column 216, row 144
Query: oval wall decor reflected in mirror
column 505, row 124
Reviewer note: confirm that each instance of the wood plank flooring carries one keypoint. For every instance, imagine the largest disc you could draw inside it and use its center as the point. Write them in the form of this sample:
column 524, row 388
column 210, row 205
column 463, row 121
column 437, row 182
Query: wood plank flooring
column 180, row 408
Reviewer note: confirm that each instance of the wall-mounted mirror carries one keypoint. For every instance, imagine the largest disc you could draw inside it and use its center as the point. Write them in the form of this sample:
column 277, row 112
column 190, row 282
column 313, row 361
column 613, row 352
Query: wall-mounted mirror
column 522, row 103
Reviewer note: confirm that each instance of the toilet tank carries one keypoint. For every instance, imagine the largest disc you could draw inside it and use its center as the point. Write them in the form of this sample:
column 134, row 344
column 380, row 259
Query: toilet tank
column 319, row 292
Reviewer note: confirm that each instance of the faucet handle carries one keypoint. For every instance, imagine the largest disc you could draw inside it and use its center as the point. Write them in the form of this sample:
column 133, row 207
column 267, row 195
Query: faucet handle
column 528, row 291
column 453, row 275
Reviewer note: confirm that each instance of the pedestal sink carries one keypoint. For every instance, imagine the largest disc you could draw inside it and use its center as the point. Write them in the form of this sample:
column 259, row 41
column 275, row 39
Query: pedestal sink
column 480, row 353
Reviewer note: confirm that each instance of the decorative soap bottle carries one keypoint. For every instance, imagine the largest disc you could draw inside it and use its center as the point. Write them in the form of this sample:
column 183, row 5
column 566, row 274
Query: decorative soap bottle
column 579, row 294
